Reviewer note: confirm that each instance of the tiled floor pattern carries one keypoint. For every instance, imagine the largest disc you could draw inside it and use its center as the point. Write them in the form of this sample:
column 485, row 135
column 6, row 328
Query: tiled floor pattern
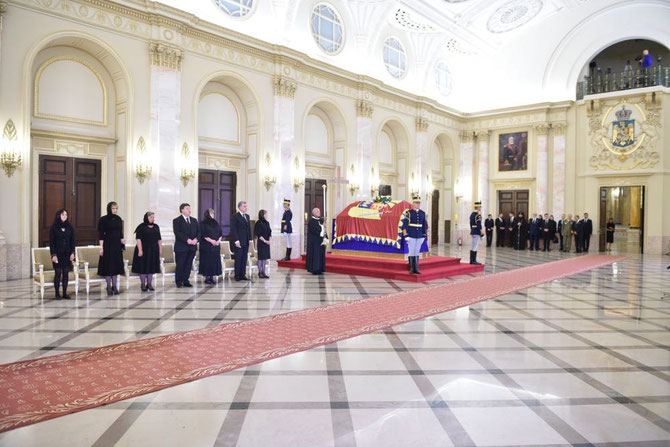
column 584, row 360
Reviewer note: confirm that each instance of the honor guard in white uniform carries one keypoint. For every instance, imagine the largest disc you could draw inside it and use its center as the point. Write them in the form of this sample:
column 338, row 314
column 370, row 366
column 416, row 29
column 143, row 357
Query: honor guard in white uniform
column 415, row 227
column 287, row 228
column 476, row 232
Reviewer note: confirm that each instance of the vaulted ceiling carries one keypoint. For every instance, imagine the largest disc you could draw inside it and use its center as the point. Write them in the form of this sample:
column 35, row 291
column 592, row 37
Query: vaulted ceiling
column 495, row 53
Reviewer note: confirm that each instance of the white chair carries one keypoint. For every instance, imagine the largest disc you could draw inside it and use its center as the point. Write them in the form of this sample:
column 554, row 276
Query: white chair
column 43, row 272
column 252, row 260
column 86, row 266
column 128, row 254
column 168, row 264
column 227, row 261
column 195, row 268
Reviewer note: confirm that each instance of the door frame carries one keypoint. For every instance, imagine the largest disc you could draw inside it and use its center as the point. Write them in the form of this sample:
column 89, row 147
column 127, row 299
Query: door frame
column 602, row 203
column 72, row 148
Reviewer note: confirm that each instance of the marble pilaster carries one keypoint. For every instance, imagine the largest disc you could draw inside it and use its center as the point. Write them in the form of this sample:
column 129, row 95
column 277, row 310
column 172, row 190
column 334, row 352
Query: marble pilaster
column 483, row 137
column 541, row 178
column 3, row 8
column 464, row 186
column 558, row 190
column 421, row 156
column 283, row 165
column 364, row 146
column 164, row 144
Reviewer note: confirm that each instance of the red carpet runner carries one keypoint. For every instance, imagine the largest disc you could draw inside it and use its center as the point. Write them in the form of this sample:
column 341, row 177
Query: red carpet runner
column 36, row 390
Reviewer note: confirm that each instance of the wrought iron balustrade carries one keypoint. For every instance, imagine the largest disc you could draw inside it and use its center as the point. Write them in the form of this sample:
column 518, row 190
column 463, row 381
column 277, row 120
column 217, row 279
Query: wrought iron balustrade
column 608, row 81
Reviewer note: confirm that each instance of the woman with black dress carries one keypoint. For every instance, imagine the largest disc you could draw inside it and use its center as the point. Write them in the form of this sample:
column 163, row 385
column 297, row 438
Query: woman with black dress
column 263, row 232
column 112, row 244
column 210, row 247
column 610, row 233
column 148, row 250
column 61, row 245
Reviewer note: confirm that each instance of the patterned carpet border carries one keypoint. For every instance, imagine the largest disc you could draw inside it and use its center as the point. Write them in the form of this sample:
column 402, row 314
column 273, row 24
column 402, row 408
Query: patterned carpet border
column 36, row 390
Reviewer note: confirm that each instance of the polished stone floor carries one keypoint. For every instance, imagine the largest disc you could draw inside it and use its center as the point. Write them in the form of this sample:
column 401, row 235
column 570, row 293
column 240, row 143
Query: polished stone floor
column 584, row 360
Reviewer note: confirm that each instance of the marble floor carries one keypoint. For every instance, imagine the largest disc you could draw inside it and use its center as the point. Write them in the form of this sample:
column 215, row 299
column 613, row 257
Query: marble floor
column 580, row 361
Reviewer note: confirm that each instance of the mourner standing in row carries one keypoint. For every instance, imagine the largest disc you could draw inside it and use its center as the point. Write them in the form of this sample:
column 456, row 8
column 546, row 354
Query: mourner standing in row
column 588, row 231
column 500, row 230
column 240, row 230
column 315, row 258
column 567, row 234
column 148, row 250
column 287, row 228
column 186, row 233
column 560, row 231
column 535, row 228
column 61, row 246
column 488, row 225
column 263, row 233
column 549, row 231
column 578, row 233
column 610, row 233
column 112, row 244
column 211, row 236
column 512, row 230
column 476, row 232
column 521, row 232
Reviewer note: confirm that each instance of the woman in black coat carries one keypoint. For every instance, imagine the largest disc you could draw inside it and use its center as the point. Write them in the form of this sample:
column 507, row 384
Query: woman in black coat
column 112, row 244
column 610, row 233
column 148, row 250
column 61, row 245
column 210, row 247
column 263, row 232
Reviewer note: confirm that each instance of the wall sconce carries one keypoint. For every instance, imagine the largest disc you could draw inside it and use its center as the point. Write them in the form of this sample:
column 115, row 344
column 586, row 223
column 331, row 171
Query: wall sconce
column 429, row 185
column 458, row 197
column 299, row 177
column 374, row 182
column 413, row 188
column 10, row 157
column 269, row 179
column 353, row 184
column 187, row 172
column 143, row 167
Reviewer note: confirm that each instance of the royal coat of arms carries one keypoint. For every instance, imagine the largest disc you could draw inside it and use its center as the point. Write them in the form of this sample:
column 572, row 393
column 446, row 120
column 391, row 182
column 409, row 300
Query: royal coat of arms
column 623, row 128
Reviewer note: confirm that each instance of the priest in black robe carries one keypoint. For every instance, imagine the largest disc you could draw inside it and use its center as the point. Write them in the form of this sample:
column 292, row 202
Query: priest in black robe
column 316, row 249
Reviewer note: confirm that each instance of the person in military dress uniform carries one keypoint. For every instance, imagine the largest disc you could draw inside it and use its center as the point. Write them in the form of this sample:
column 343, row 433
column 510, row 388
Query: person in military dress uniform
column 415, row 227
column 476, row 232
column 287, row 228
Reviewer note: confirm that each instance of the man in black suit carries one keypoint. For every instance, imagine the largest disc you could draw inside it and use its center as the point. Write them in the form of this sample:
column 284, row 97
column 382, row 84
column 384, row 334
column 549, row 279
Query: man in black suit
column 578, row 231
column 535, row 230
column 488, row 225
column 500, row 230
column 240, row 230
column 588, row 231
column 186, row 233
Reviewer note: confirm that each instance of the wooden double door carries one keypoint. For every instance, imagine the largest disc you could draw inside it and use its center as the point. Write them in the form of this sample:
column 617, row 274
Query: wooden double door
column 515, row 201
column 74, row 184
column 435, row 218
column 313, row 199
column 217, row 190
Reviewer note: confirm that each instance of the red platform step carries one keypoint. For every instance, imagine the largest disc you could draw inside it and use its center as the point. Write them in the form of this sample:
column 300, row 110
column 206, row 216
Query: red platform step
column 434, row 267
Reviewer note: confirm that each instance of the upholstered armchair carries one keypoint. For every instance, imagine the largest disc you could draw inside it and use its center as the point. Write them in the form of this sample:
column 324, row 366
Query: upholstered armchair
column 86, row 266
column 168, row 264
column 43, row 272
column 252, row 261
column 128, row 264
column 227, row 261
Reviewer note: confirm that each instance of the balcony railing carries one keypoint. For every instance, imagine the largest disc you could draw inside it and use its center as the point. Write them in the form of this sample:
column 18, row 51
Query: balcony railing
column 609, row 81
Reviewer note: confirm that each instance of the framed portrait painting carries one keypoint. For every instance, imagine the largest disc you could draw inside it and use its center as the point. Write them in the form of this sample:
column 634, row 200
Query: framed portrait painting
column 513, row 151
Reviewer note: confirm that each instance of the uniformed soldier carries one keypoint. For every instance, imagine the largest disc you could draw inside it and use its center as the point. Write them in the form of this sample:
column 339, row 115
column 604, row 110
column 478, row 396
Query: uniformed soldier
column 287, row 228
column 476, row 232
column 566, row 230
column 415, row 227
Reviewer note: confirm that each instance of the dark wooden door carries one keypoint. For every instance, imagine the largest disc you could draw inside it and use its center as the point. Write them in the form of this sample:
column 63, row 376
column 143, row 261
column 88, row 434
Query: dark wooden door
column 313, row 199
column 73, row 184
column 641, row 205
column 385, row 190
column 515, row 201
column 435, row 218
column 217, row 190
column 602, row 221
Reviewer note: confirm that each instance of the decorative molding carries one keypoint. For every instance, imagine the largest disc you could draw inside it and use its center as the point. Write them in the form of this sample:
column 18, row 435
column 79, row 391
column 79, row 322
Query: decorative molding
column 163, row 55
column 485, row 134
column 466, row 136
column 421, row 124
column 364, row 108
column 283, row 86
column 559, row 128
column 513, row 14
column 541, row 129
column 37, row 133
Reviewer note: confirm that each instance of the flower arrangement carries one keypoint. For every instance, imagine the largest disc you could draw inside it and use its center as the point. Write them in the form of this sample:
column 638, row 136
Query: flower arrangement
column 382, row 199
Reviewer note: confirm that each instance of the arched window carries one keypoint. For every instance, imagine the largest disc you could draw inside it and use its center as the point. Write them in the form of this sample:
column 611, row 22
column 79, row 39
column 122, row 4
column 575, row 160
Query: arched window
column 442, row 78
column 317, row 139
column 235, row 8
column 327, row 28
column 385, row 150
column 395, row 58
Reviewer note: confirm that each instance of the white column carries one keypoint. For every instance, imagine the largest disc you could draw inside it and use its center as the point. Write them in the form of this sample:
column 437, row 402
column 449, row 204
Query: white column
column 464, row 186
column 363, row 158
column 558, row 190
column 164, row 141
column 283, row 166
column 542, row 169
column 483, row 170
column 421, row 155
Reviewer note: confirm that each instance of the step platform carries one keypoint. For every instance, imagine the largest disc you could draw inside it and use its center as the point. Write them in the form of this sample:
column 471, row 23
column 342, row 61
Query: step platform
column 433, row 267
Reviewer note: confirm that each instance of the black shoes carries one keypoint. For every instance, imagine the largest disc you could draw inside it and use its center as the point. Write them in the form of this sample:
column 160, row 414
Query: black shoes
column 186, row 284
column 66, row 296
column 288, row 255
column 109, row 291
column 178, row 284
column 473, row 258
column 115, row 291
column 150, row 288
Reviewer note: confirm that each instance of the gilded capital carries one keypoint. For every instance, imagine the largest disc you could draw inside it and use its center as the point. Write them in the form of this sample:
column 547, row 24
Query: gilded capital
column 467, row 136
column 364, row 108
column 559, row 128
column 541, row 129
column 283, row 86
column 483, row 134
column 421, row 124
column 164, row 55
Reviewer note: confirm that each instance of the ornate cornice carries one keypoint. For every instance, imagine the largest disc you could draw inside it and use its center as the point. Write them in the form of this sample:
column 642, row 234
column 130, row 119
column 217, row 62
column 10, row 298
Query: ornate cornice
column 164, row 55
column 559, row 128
column 466, row 136
column 284, row 87
column 483, row 134
column 364, row 108
column 421, row 124
column 541, row 129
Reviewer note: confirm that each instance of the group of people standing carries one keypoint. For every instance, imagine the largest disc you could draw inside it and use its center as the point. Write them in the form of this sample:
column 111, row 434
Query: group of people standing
column 521, row 234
